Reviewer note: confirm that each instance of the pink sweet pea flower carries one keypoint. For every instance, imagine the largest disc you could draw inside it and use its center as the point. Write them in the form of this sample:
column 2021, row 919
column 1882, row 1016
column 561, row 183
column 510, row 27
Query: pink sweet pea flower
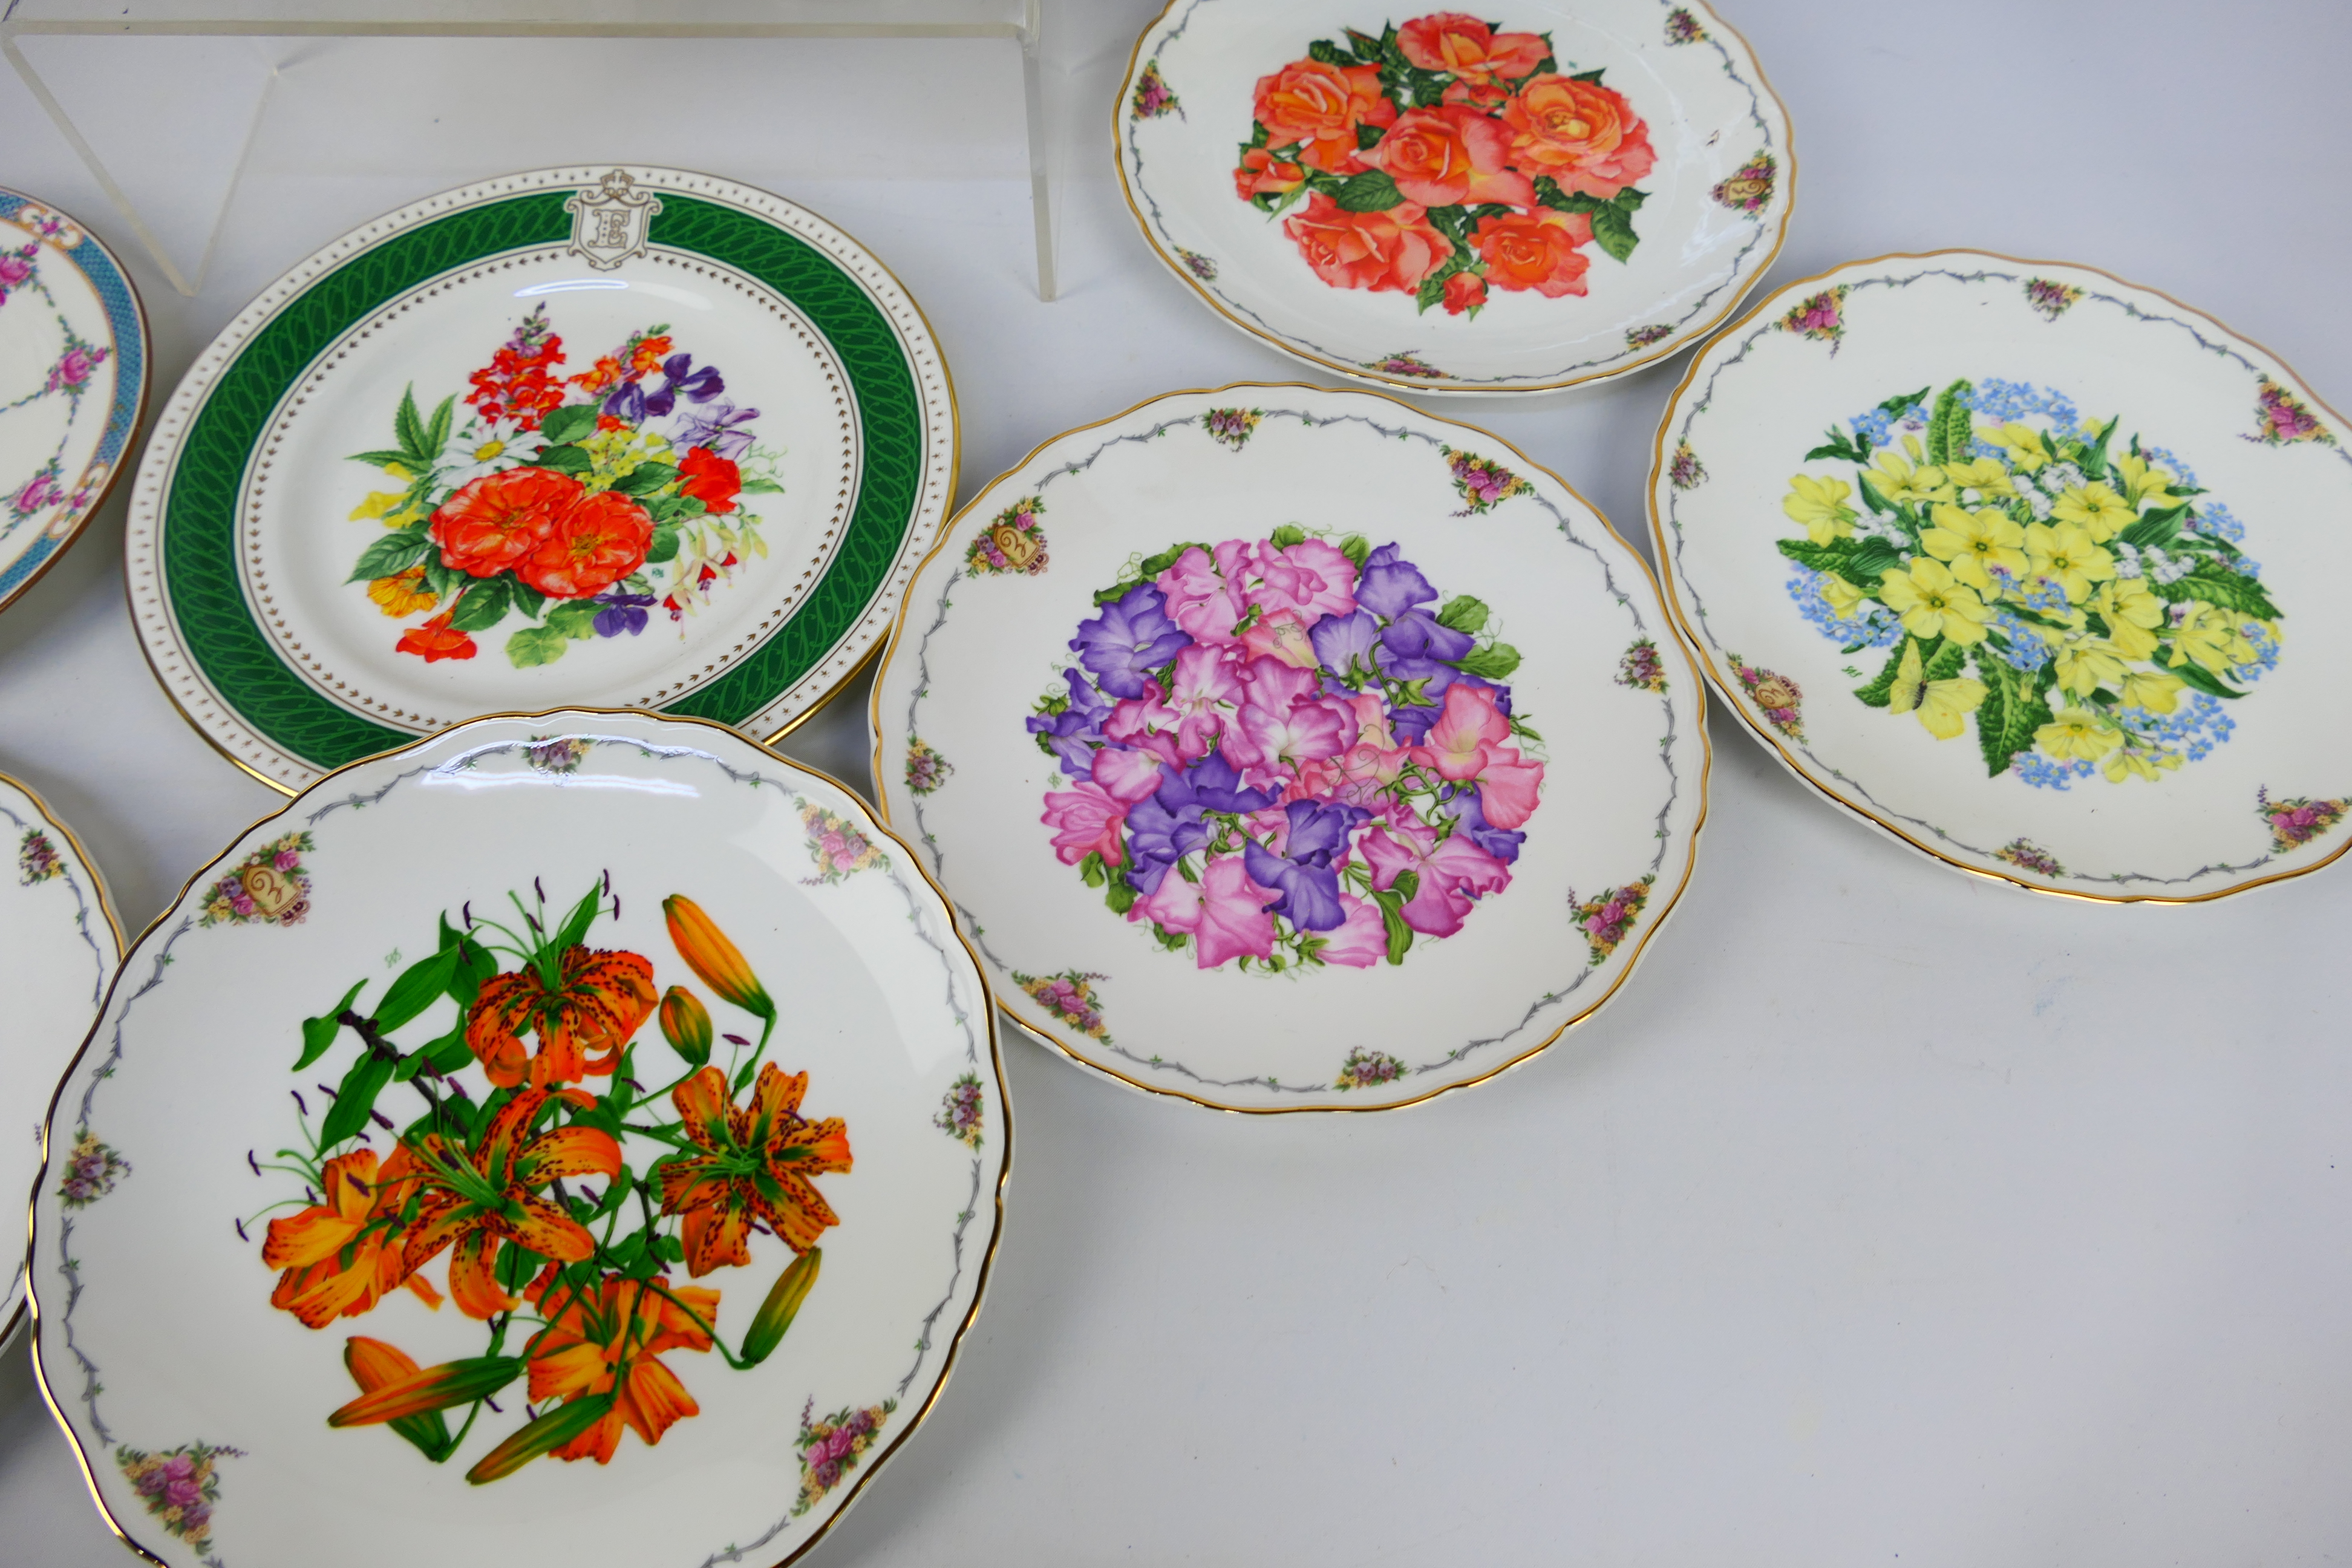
column 1369, row 769
column 1453, row 871
column 1372, row 720
column 1224, row 912
column 1146, row 723
column 1318, row 780
column 1362, row 941
column 1204, row 595
column 1507, row 787
column 1085, row 820
column 1309, row 732
column 1310, row 579
column 1458, row 741
column 1126, row 776
column 1281, row 636
column 1208, row 688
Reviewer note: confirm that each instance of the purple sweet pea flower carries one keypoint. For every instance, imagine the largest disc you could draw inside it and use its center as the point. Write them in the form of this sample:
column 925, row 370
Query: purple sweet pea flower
column 718, row 427
column 1412, row 723
column 1340, row 640
column 1470, row 818
column 626, row 402
column 1131, row 637
column 1165, row 828
column 1414, row 646
column 1389, row 584
column 1302, row 873
column 1213, row 784
column 1077, row 731
column 680, row 379
column 621, row 613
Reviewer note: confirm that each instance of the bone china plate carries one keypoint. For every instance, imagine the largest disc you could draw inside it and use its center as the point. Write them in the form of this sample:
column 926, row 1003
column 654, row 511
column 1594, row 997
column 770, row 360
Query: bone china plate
column 1424, row 200
column 2023, row 564
column 621, row 438
column 73, row 377
column 58, row 946
column 573, row 1139
column 1293, row 750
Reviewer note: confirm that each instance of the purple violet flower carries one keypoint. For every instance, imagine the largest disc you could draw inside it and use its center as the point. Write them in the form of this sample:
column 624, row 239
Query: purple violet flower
column 621, row 613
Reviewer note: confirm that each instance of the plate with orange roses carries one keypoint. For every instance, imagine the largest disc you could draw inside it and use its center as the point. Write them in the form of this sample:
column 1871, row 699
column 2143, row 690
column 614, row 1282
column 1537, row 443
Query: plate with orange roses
column 1444, row 203
column 631, row 437
column 612, row 1194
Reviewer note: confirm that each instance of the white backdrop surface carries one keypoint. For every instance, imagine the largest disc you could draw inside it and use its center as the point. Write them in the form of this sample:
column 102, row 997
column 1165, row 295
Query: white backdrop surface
column 1885, row 1216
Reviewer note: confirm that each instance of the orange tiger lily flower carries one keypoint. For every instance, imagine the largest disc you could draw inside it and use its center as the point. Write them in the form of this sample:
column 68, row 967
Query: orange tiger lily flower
column 599, row 1001
column 341, row 1256
column 476, row 1200
column 609, row 1340
column 709, row 953
column 758, row 1160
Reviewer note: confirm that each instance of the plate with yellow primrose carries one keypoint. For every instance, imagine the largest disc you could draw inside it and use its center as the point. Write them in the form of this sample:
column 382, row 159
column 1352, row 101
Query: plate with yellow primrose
column 2025, row 565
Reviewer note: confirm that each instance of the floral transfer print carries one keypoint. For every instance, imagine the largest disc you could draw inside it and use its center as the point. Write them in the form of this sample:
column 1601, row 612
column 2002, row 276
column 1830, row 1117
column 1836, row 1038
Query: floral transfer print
column 1777, row 697
column 1012, row 544
column 960, row 1111
column 1640, row 669
column 836, row 846
column 561, row 754
column 1232, row 427
column 1152, row 97
column 2029, row 857
column 46, row 493
column 91, row 1170
column 830, row 1447
column 1481, row 481
column 1367, row 1069
column 1749, row 188
column 1685, row 472
column 1068, row 996
column 1643, row 337
column 2051, row 298
column 181, row 1487
column 577, row 503
column 2295, row 823
column 1407, row 364
column 2285, row 420
column 926, row 769
column 1681, row 27
column 1285, row 753
column 269, row 885
column 36, row 858
column 1441, row 159
column 560, row 1244
column 1819, row 319
column 2097, row 593
column 1199, row 266
column 1605, row 920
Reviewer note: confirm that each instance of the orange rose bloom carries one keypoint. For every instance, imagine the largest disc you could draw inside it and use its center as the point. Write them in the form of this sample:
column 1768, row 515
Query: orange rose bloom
column 1450, row 41
column 709, row 478
column 1439, row 157
column 1465, row 291
column 1584, row 136
column 599, row 540
column 1261, row 172
column 496, row 520
column 1536, row 250
column 436, row 640
column 1319, row 107
column 1392, row 250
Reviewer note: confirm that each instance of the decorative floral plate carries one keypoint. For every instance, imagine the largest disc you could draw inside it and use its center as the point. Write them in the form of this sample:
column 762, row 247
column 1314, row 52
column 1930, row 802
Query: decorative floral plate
column 59, row 947
column 1289, row 749
column 627, row 437
column 1428, row 200
column 2018, row 561
column 73, row 377
column 616, row 1191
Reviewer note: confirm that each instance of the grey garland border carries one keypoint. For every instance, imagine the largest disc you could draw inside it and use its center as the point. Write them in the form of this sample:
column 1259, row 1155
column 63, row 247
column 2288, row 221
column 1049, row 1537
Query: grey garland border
column 922, row 685
column 1648, row 351
column 69, row 1266
column 2225, row 346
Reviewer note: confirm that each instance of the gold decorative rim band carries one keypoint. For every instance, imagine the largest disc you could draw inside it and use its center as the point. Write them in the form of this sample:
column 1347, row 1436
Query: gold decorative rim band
column 1681, row 342
column 1690, row 858
column 874, row 817
column 1699, row 653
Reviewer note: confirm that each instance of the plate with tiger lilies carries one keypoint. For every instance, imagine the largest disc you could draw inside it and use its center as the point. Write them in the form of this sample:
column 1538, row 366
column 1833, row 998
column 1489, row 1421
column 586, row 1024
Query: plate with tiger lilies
column 617, row 1191
column 59, row 947
column 2025, row 565
column 616, row 436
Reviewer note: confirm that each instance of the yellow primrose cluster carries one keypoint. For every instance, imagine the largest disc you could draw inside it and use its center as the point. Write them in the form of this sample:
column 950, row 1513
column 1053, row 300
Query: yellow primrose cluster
column 617, row 454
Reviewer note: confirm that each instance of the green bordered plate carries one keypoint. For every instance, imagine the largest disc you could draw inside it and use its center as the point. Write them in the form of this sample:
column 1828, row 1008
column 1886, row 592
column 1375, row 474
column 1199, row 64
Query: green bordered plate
column 628, row 437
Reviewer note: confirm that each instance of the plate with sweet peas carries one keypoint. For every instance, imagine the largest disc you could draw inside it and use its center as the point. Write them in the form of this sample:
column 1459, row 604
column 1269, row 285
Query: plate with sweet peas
column 615, row 1190
column 1287, row 749
column 2017, row 561
column 1448, row 202
column 622, row 436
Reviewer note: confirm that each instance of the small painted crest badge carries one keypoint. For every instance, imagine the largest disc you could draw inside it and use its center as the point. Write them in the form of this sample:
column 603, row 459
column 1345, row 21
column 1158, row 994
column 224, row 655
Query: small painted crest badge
column 611, row 221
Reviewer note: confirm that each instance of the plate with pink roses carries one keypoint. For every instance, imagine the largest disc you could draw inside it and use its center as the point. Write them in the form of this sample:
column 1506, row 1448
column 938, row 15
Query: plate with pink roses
column 1449, row 202
column 1288, row 749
